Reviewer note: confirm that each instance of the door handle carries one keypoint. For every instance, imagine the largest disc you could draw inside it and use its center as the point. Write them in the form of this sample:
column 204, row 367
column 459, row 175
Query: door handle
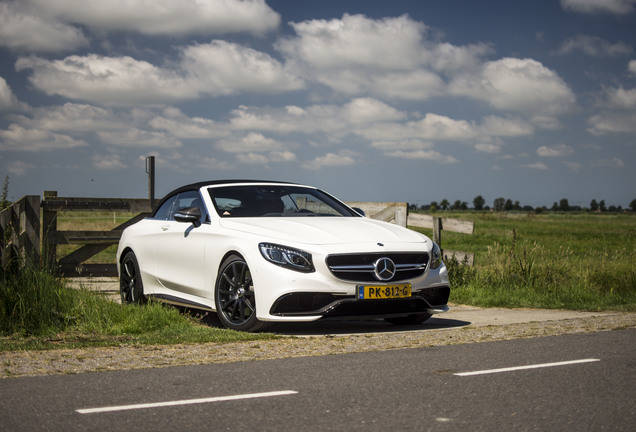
column 165, row 228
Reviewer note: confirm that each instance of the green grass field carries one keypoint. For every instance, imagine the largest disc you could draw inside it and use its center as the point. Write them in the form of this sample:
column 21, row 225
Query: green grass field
column 571, row 261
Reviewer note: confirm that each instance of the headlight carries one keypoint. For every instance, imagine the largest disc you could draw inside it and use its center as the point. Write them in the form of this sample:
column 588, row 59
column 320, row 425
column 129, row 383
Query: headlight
column 287, row 257
column 436, row 256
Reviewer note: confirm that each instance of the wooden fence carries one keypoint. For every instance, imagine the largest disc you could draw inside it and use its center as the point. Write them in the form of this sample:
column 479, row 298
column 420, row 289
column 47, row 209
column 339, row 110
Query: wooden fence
column 93, row 242
column 20, row 229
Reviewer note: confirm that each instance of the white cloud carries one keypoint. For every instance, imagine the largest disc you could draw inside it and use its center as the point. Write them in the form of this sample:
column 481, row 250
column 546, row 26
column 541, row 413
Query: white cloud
column 20, row 168
column 423, row 154
column 218, row 68
column 368, row 110
column 621, row 98
column 7, row 98
column 19, row 138
column 612, row 122
column 619, row 7
column 72, row 117
column 559, row 150
column 155, row 17
column 522, row 85
column 537, row 166
column 22, row 30
column 431, row 127
column 252, row 142
column 632, row 66
column 617, row 112
column 390, row 57
column 252, row 158
column 383, row 44
column 282, row 156
column 221, row 68
column 107, row 162
column 573, row 166
column 343, row 158
column 181, row 126
column 106, row 80
column 139, row 138
column 609, row 163
column 499, row 126
column 595, row 46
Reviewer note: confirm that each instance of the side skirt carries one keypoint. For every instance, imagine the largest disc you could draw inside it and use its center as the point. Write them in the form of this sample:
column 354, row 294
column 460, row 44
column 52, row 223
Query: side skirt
column 164, row 298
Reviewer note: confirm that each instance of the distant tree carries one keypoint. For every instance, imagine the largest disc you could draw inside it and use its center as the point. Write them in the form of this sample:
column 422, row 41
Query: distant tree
column 434, row 206
column 602, row 207
column 613, row 209
column 478, row 202
column 459, row 205
column 444, row 205
column 632, row 205
column 508, row 205
column 555, row 207
column 4, row 200
column 516, row 206
column 564, row 205
column 498, row 204
column 593, row 205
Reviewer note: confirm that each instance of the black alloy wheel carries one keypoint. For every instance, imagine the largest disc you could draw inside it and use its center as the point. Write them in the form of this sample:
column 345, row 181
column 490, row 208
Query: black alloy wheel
column 131, row 287
column 234, row 296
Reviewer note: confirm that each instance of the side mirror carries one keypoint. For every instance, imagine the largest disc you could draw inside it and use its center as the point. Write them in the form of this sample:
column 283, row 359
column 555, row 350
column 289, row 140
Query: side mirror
column 189, row 215
column 359, row 211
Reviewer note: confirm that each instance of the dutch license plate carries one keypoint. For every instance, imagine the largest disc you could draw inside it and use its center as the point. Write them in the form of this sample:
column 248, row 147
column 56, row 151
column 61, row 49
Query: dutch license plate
column 384, row 291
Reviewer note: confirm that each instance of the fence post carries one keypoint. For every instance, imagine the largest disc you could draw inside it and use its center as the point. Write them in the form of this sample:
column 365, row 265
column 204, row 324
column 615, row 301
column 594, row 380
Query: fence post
column 49, row 232
column 150, row 169
column 437, row 231
column 31, row 239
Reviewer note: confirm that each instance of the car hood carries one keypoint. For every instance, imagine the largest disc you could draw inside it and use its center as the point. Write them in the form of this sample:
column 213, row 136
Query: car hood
column 323, row 230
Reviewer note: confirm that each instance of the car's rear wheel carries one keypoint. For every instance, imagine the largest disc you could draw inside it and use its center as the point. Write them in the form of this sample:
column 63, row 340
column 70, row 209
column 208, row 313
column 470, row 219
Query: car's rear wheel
column 410, row 319
column 131, row 288
column 234, row 296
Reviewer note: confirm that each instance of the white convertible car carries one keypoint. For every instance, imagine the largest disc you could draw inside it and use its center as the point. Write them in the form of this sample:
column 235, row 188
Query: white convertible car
column 258, row 252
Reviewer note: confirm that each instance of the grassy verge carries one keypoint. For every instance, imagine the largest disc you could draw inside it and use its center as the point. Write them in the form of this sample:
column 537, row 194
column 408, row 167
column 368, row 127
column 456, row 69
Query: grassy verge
column 38, row 311
column 580, row 262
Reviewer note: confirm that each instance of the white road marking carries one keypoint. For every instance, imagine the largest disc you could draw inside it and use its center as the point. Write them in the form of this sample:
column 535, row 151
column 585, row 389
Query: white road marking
column 185, row 402
column 516, row 368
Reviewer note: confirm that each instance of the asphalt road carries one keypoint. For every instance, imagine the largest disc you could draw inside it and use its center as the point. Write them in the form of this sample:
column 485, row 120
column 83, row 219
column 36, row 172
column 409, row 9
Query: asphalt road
column 413, row 389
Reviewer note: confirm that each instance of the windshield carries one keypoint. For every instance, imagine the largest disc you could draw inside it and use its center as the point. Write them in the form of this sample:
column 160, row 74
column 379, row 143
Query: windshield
column 275, row 201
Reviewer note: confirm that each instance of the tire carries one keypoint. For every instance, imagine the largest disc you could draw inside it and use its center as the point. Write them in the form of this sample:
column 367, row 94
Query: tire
column 131, row 287
column 410, row 319
column 234, row 296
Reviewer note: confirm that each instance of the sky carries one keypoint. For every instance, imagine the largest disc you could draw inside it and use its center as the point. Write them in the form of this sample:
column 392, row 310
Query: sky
column 370, row 100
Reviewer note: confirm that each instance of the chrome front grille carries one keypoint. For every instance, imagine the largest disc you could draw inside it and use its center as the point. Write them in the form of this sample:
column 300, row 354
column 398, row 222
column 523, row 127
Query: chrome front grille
column 362, row 267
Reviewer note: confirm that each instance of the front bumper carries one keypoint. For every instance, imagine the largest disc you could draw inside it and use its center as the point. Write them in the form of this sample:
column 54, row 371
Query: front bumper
column 326, row 305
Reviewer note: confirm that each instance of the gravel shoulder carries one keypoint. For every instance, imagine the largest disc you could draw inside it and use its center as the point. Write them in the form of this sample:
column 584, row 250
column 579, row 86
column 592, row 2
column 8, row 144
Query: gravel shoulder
column 461, row 325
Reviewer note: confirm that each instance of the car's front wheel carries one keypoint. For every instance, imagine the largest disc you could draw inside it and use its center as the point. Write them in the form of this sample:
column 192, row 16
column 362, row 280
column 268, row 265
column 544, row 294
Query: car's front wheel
column 234, row 296
column 131, row 287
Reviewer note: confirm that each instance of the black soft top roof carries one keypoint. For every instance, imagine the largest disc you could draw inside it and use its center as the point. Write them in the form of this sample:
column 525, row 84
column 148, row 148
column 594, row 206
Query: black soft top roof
column 199, row 185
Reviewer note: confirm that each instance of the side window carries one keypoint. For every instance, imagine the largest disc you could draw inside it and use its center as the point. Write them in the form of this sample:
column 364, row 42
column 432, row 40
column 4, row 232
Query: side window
column 164, row 212
column 191, row 199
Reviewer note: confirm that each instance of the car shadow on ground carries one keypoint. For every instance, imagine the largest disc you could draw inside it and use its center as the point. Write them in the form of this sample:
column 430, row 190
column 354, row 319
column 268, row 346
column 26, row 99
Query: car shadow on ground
column 339, row 327
column 333, row 327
